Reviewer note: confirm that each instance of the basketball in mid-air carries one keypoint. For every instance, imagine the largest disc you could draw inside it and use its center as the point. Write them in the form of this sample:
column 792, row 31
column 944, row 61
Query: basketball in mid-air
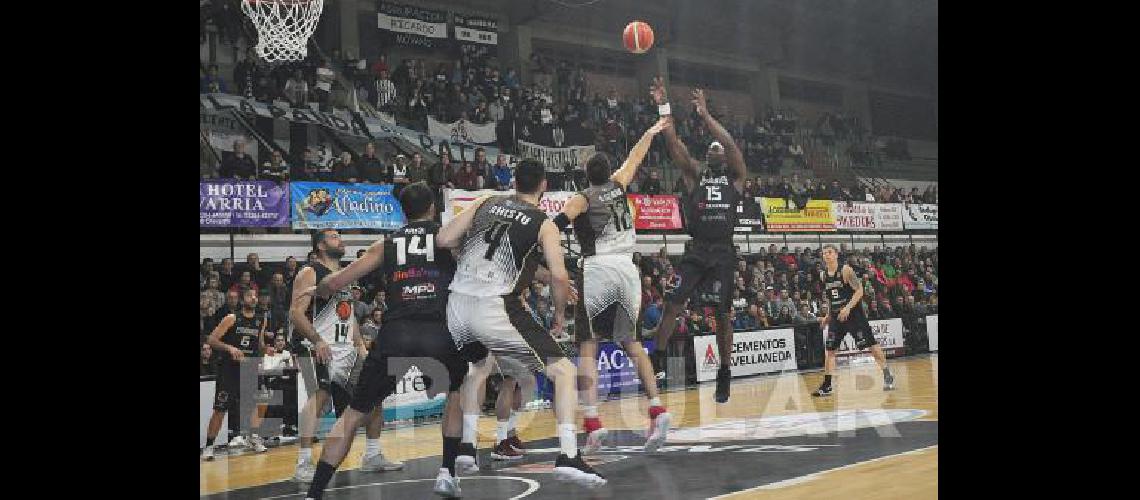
column 638, row 37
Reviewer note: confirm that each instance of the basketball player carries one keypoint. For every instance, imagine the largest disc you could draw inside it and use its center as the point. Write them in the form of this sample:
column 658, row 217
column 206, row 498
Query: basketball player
column 417, row 275
column 710, row 201
column 240, row 335
column 328, row 344
column 844, row 291
column 611, row 284
column 500, row 240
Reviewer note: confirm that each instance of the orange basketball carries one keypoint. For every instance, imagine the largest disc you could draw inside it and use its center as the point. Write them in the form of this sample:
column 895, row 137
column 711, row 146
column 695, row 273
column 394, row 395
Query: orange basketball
column 638, row 37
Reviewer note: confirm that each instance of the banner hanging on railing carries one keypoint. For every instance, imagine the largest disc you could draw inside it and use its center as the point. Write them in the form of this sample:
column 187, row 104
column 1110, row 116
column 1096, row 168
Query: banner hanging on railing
column 476, row 29
column 661, row 211
column 920, row 216
column 785, row 217
column 334, row 121
column 234, row 203
column 463, row 131
column 556, row 159
column 322, row 205
column 889, row 333
column 855, row 216
column 411, row 26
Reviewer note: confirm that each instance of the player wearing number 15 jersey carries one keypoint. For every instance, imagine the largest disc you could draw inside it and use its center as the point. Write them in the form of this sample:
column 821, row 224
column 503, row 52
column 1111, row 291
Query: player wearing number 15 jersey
column 709, row 261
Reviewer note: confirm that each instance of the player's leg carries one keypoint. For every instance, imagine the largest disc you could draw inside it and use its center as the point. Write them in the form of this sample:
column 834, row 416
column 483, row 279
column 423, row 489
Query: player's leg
column 221, row 406
column 596, row 433
column 473, row 384
column 375, row 384
column 687, row 277
column 373, row 459
column 447, row 481
column 246, row 408
column 316, row 379
column 659, row 417
column 504, row 405
column 723, row 267
column 864, row 338
column 835, row 334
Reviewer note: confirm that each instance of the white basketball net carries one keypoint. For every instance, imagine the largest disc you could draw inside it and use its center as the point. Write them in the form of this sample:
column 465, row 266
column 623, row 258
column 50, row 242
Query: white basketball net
column 283, row 26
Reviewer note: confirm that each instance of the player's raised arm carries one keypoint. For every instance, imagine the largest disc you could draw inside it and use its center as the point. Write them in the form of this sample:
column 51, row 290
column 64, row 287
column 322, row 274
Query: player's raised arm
column 677, row 150
column 636, row 155
column 370, row 261
column 733, row 157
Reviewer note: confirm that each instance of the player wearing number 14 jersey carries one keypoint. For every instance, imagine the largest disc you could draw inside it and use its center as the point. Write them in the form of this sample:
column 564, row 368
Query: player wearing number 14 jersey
column 610, row 288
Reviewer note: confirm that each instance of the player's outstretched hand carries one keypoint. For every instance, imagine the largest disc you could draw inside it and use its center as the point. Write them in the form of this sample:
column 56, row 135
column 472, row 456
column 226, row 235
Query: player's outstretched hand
column 657, row 91
column 324, row 352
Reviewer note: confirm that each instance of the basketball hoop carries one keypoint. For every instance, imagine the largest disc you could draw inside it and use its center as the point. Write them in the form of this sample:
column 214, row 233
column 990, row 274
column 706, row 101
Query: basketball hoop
column 283, row 26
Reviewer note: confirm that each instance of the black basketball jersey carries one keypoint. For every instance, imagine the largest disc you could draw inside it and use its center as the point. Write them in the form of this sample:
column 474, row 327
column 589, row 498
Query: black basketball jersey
column 710, row 208
column 245, row 332
column 417, row 272
column 501, row 249
column 606, row 226
column 837, row 291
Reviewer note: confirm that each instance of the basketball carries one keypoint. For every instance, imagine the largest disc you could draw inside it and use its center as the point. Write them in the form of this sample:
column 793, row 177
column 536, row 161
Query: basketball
column 638, row 37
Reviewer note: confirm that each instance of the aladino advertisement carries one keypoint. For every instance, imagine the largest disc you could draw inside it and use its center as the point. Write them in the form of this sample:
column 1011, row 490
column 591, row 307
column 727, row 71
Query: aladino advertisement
column 323, row 205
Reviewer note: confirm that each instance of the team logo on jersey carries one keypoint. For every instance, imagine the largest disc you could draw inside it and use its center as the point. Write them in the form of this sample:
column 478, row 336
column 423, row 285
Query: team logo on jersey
column 317, row 201
column 343, row 310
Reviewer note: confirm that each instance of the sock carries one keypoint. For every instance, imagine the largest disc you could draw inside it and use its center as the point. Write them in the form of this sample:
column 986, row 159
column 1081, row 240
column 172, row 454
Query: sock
column 590, row 411
column 568, row 440
column 501, row 431
column 827, row 380
column 654, row 411
column 321, row 479
column 591, row 424
column 450, row 451
column 655, row 401
column 886, row 372
column 513, row 423
column 470, row 427
column 304, row 455
column 210, row 441
column 371, row 447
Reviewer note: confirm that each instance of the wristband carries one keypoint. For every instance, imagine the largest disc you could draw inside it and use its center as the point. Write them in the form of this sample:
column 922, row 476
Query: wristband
column 663, row 109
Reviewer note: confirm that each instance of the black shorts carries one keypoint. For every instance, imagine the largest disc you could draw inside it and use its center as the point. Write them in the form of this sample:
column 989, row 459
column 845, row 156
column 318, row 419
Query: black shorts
column 856, row 324
column 316, row 377
column 401, row 344
column 705, row 273
column 232, row 381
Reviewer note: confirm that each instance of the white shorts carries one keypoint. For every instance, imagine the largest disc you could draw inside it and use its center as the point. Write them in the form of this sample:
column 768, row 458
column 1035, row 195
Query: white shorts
column 504, row 327
column 609, row 299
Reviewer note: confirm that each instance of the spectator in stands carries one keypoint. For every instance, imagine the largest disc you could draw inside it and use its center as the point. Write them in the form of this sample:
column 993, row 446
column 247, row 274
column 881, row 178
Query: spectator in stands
column 261, row 274
column 465, row 178
column 206, row 311
column 417, row 171
column 652, row 315
column 238, row 165
column 745, row 319
column 805, row 314
column 652, row 185
column 245, row 281
column 502, row 174
column 785, row 317
column 385, row 92
column 279, row 292
column 360, row 308
column 206, row 363
column 214, row 291
column 380, row 67
column 343, row 170
column 369, row 166
column 275, row 169
column 297, row 90
column 371, row 327
column 243, row 73
column 212, row 83
column 227, row 274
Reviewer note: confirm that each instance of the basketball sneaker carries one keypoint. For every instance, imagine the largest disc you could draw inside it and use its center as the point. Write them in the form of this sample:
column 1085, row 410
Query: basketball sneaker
column 257, row 444
column 824, row 390
column 658, row 428
column 723, row 376
column 465, row 462
column 577, row 471
column 305, row 472
column 238, row 441
column 377, row 463
column 657, row 359
column 595, row 435
column 446, row 485
column 516, row 444
column 504, row 451
column 208, row 454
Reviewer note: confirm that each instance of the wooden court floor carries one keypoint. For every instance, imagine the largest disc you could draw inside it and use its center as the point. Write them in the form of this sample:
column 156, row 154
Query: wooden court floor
column 908, row 475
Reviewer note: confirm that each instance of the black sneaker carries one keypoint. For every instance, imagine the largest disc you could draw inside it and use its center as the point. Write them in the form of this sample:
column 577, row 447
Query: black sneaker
column 657, row 359
column 723, row 376
column 465, row 462
column 577, row 471
column 824, row 390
